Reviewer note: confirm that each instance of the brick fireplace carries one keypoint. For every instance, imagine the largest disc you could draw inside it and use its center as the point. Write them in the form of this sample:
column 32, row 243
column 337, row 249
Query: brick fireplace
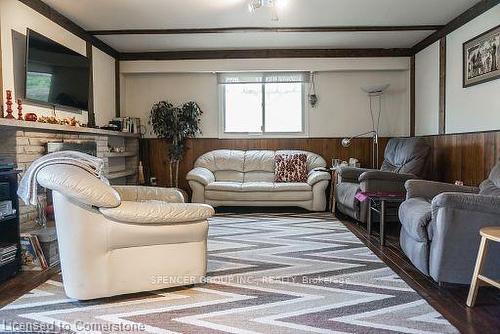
column 25, row 144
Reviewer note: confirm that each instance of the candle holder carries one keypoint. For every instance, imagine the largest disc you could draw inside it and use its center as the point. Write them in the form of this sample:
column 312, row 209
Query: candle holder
column 19, row 110
column 9, row 105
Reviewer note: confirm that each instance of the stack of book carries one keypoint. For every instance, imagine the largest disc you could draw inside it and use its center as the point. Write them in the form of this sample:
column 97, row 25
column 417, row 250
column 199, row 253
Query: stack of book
column 7, row 253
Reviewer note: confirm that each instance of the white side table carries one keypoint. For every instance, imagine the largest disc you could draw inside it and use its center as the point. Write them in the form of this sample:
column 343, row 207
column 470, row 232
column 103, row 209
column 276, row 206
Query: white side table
column 488, row 234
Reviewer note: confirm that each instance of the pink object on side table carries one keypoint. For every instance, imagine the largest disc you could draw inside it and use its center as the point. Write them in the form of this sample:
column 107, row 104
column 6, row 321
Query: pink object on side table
column 363, row 196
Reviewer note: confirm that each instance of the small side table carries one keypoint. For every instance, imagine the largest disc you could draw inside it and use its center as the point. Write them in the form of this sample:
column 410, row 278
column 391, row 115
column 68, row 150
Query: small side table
column 487, row 234
column 377, row 204
column 333, row 184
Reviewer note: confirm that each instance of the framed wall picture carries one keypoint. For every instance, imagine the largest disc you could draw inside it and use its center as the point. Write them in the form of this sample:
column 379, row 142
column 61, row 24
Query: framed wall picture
column 482, row 58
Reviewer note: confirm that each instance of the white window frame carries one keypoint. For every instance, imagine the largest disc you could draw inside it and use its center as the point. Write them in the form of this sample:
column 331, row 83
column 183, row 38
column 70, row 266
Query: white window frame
column 222, row 118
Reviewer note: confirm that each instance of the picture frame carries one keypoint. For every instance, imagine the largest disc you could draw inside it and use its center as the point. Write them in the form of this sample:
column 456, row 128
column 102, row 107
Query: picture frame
column 32, row 257
column 481, row 58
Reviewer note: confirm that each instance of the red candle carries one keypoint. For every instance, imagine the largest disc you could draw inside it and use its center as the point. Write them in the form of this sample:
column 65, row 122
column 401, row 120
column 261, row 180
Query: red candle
column 19, row 109
column 9, row 105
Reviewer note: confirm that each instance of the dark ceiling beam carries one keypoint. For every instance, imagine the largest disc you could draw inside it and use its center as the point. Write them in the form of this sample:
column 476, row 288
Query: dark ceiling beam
column 267, row 53
column 263, row 29
column 69, row 25
column 462, row 19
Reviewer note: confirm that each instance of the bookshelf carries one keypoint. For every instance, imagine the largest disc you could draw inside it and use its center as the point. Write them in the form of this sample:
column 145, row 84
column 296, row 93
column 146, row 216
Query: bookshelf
column 9, row 226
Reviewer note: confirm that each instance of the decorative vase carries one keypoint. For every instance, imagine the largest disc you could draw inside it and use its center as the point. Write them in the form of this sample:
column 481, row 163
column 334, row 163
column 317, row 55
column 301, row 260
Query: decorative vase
column 30, row 117
column 9, row 105
column 140, row 173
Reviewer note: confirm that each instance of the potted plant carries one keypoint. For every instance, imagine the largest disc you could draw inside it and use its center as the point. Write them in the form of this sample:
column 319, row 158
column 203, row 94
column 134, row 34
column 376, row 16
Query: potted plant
column 175, row 124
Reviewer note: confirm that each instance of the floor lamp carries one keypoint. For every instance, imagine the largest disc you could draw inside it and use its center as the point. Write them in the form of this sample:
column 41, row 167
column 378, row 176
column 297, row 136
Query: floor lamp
column 374, row 93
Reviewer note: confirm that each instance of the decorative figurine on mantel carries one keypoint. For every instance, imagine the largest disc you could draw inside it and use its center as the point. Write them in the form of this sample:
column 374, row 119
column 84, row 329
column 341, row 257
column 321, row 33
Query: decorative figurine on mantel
column 19, row 110
column 9, row 105
column 30, row 117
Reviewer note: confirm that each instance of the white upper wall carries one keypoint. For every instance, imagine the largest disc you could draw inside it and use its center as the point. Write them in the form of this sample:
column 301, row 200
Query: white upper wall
column 342, row 109
column 104, row 86
column 475, row 108
column 427, row 91
column 471, row 109
column 15, row 16
column 143, row 90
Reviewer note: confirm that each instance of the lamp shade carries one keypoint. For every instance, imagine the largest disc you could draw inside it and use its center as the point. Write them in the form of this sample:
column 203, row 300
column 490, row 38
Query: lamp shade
column 346, row 142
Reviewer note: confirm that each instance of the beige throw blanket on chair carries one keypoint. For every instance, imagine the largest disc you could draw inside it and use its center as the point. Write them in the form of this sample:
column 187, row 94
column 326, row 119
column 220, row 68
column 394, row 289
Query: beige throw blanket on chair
column 28, row 187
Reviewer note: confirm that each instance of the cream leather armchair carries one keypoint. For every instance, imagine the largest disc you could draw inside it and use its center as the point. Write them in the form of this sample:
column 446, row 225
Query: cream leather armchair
column 124, row 239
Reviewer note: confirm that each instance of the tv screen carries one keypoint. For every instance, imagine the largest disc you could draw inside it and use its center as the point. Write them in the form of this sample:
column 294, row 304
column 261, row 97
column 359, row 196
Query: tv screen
column 55, row 75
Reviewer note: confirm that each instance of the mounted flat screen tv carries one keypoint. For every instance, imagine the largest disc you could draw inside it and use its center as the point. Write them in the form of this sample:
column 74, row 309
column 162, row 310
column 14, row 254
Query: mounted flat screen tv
column 55, row 75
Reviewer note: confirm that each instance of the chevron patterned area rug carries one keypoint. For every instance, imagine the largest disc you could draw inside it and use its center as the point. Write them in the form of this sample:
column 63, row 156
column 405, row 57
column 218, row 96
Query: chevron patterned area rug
column 268, row 273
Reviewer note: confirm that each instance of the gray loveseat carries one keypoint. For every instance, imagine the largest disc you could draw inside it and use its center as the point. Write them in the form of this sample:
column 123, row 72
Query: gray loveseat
column 404, row 159
column 441, row 223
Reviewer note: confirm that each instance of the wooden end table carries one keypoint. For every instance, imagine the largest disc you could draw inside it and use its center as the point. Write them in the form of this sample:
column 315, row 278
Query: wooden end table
column 488, row 234
column 377, row 203
column 333, row 184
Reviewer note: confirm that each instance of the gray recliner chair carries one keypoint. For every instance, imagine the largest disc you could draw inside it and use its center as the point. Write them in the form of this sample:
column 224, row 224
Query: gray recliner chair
column 441, row 223
column 404, row 159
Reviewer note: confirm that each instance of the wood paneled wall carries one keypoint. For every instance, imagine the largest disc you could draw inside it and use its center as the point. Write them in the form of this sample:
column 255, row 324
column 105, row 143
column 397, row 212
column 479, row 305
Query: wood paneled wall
column 466, row 157
column 154, row 152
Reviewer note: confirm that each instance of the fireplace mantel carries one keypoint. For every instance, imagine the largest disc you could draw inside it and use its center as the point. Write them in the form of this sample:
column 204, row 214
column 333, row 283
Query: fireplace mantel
column 61, row 128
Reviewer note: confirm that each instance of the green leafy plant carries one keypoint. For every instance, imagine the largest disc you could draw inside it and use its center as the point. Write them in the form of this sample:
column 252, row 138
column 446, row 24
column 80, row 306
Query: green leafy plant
column 175, row 124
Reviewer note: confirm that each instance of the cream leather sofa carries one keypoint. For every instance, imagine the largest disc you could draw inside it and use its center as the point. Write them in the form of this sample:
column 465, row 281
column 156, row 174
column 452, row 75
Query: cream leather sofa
column 246, row 178
column 124, row 239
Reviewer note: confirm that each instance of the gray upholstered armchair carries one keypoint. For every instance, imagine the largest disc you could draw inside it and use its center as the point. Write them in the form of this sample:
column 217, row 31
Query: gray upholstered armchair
column 404, row 159
column 441, row 223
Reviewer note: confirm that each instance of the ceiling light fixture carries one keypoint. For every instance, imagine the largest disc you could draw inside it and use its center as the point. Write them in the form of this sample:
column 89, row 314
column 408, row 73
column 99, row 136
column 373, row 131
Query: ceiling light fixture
column 275, row 5
column 253, row 5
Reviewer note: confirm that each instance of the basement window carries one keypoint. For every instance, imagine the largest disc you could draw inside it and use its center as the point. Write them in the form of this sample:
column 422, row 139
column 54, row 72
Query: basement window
column 263, row 103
